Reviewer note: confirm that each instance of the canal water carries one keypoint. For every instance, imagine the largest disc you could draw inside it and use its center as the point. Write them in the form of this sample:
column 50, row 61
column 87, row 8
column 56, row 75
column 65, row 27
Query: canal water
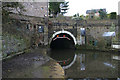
column 87, row 64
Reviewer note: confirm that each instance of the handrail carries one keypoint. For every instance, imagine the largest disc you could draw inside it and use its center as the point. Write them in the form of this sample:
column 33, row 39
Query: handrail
column 116, row 42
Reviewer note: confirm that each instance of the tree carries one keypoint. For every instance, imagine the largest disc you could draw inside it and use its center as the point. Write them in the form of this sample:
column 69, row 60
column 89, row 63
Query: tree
column 54, row 7
column 82, row 17
column 64, row 7
column 78, row 16
column 113, row 15
column 108, row 16
column 74, row 15
column 87, row 16
column 103, row 14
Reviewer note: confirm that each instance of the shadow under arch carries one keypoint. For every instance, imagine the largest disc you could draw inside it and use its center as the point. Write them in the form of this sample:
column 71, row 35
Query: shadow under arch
column 62, row 39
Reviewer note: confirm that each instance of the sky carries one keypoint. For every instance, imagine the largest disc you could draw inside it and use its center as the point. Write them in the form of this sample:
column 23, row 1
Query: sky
column 80, row 6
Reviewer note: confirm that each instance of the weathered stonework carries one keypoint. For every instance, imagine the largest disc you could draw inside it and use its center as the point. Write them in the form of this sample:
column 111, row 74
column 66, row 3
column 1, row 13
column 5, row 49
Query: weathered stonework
column 94, row 30
column 36, row 9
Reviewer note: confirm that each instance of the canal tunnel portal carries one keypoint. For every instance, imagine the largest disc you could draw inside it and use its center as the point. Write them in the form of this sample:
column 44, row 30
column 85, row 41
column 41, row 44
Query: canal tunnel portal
column 62, row 40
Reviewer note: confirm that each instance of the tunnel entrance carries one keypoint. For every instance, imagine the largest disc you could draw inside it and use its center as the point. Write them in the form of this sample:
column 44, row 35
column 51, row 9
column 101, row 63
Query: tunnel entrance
column 63, row 40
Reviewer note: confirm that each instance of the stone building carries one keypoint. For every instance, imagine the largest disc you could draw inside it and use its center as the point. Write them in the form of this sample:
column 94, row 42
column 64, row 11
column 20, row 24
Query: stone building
column 34, row 19
column 37, row 9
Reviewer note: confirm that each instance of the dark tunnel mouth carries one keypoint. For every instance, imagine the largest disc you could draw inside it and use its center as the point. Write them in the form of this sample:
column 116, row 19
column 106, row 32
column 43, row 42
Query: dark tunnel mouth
column 62, row 41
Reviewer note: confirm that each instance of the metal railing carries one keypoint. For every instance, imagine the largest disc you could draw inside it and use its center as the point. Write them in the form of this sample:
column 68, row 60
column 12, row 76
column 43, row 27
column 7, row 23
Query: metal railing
column 116, row 42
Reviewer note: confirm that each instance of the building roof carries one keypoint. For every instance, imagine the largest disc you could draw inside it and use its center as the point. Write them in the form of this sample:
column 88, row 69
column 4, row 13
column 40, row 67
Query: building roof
column 94, row 11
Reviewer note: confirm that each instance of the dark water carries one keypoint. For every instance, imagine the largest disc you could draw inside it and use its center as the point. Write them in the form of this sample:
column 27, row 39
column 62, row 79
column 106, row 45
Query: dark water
column 87, row 64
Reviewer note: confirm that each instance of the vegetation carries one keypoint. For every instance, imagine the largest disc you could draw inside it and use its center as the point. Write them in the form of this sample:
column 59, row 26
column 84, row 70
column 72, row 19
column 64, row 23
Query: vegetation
column 103, row 15
column 78, row 17
column 113, row 15
column 64, row 7
column 14, row 40
column 54, row 7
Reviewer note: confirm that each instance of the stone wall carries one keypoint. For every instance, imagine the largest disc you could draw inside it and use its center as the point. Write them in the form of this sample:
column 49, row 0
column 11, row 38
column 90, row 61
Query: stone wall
column 94, row 30
column 12, row 44
column 36, row 9
column 21, row 33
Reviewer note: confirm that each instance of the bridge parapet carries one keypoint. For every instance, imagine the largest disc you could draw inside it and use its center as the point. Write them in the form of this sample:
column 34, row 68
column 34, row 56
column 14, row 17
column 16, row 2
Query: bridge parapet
column 95, row 28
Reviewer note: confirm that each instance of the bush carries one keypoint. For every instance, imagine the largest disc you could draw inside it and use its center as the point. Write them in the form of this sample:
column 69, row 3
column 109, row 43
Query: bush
column 113, row 15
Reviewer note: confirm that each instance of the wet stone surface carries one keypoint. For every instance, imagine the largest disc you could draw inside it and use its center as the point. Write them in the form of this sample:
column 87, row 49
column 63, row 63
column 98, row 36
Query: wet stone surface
column 32, row 65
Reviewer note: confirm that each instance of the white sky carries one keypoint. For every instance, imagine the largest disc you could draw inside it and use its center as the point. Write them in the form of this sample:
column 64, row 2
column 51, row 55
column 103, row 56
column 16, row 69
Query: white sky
column 80, row 6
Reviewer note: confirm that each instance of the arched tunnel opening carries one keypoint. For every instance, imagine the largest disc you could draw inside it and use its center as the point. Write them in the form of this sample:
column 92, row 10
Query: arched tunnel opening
column 63, row 41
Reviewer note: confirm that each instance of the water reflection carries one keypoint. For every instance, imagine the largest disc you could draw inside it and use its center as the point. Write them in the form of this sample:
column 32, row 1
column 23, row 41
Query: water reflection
column 79, row 64
column 81, row 57
column 109, row 65
column 66, row 60
column 116, row 57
